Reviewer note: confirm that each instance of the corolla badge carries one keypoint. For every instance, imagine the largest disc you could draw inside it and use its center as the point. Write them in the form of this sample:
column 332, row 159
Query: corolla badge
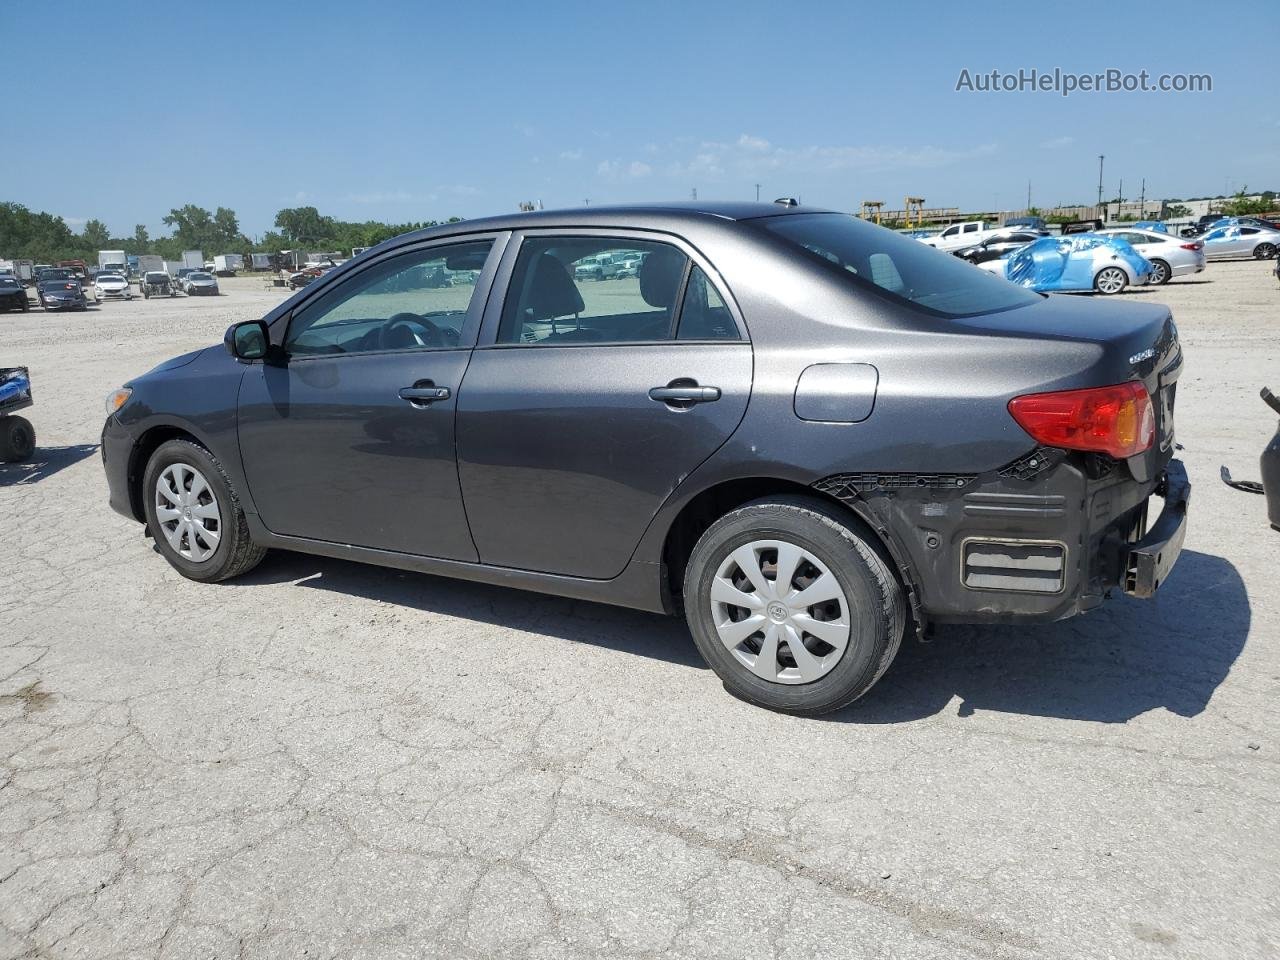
column 1146, row 354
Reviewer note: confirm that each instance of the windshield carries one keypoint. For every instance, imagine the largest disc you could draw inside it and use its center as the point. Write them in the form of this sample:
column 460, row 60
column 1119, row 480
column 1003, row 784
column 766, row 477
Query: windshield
column 157, row 277
column 8, row 282
column 898, row 267
column 199, row 276
column 110, row 277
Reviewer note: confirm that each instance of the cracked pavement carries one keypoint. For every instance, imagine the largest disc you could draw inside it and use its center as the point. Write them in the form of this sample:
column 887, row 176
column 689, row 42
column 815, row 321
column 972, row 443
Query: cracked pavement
column 325, row 760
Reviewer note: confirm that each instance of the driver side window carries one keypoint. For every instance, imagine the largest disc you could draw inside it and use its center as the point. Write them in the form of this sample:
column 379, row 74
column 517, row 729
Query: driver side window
column 417, row 301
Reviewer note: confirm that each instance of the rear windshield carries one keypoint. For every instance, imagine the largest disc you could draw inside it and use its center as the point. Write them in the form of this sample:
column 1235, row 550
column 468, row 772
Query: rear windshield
column 898, row 268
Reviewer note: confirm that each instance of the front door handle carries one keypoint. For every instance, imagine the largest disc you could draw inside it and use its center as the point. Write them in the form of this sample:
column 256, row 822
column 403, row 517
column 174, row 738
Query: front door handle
column 684, row 394
column 424, row 393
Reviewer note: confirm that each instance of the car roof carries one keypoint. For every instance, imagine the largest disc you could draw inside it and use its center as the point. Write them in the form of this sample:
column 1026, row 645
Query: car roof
column 659, row 215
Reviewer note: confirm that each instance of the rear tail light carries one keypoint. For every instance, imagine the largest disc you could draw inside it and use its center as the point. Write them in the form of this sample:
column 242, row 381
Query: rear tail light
column 1192, row 246
column 1117, row 420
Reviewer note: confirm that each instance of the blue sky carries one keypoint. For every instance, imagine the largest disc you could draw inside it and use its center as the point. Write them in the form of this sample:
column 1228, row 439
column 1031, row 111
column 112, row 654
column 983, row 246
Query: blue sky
column 408, row 111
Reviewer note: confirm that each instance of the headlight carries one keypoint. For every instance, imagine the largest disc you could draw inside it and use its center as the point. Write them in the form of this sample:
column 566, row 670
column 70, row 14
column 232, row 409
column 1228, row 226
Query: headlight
column 117, row 399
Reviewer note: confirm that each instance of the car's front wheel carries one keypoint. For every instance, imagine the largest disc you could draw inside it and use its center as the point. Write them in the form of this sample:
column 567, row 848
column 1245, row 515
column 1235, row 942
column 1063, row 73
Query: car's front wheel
column 194, row 515
column 791, row 605
column 1264, row 251
column 1110, row 280
column 17, row 439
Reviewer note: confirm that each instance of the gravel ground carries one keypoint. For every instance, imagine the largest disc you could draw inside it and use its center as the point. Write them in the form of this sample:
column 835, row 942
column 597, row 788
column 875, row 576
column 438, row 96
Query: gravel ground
column 328, row 760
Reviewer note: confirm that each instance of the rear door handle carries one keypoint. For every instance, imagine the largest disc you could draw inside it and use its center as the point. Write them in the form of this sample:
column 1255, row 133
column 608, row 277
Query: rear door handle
column 689, row 394
column 424, row 392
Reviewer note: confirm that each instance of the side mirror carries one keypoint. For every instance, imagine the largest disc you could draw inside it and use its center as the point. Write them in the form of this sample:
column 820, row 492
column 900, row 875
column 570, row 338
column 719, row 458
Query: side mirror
column 248, row 340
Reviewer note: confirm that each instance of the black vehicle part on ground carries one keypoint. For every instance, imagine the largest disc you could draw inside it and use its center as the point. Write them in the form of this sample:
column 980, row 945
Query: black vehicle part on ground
column 1271, row 465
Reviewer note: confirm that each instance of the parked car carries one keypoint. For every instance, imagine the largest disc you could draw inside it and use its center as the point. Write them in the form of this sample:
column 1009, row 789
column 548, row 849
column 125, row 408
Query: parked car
column 1168, row 255
column 302, row 278
column 156, row 283
column 597, row 267
column 180, row 278
column 61, row 295
column 111, row 286
column 198, row 283
column 1235, row 242
column 757, row 435
column 1075, row 263
column 960, row 235
column 13, row 295
column 998, row 245
column 1202, row 225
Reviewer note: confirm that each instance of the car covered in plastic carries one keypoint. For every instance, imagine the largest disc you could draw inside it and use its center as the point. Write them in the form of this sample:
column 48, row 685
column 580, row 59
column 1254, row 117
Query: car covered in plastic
column 1084, row 261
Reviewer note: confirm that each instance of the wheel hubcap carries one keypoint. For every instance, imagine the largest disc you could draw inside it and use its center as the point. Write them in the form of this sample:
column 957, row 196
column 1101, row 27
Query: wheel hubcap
column 1109, row 281
column 780, row 612
column 187, row 512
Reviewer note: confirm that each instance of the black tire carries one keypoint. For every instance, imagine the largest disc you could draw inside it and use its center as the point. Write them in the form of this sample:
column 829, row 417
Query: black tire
column 876, row 606
column 1160, row 273
column 17, row 439
column 236, row 553
column 1264, row 251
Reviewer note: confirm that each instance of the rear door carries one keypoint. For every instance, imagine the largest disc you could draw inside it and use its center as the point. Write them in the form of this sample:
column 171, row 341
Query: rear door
column 588, row 401
column 351, row 438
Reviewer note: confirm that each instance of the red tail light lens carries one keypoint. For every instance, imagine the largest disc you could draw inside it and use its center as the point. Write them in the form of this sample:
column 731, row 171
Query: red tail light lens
column 1192, row 246
column 1116, row 420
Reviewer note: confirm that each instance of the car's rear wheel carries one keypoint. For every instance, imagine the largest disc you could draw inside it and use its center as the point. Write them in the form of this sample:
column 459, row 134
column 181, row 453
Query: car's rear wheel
column 1264, row 251
column 1110, row 280
column 791, row 605
column 17, row 438
column 1160, row 272
column 194, row 514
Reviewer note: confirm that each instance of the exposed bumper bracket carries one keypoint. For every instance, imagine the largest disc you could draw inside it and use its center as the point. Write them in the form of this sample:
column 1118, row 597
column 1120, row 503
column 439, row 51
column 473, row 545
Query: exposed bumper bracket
column 1152, row 557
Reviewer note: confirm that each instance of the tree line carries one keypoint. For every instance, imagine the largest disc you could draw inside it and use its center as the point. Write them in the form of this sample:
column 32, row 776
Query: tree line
column 46, row 237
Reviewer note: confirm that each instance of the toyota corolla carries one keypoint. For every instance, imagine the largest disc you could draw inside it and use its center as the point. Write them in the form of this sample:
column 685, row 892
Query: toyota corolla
column 804, row 433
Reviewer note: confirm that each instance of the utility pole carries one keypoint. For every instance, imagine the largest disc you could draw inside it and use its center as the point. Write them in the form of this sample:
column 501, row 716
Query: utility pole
column 1142, row 202
column 1028, row 194
column 757, row 193
column 693, row 194
column 1101, row 157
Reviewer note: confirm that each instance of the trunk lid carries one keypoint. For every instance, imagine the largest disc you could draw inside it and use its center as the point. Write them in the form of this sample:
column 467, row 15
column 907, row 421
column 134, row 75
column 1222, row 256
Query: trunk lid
column 1136, row 341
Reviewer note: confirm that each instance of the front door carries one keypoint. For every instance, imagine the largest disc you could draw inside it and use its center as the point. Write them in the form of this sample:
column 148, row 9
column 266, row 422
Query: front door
column 598, row 396
column 351, row 439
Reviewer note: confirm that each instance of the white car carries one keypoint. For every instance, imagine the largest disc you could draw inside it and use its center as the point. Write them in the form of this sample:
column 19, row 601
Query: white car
column 111, row 286
column 960, row 235
column 1231, row 242
column 1170, row 256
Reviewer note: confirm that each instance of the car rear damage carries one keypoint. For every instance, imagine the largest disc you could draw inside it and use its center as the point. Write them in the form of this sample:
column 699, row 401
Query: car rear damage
column 1050, row 533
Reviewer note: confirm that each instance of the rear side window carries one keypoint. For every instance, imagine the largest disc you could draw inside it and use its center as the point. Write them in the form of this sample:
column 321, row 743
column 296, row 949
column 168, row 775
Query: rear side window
column 897, row 267
column 592, row 290
column 704, row 314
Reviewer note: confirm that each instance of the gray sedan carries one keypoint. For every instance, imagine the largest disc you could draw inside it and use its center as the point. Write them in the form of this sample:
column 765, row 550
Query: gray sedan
column 1170, row 256
column 1238, row 241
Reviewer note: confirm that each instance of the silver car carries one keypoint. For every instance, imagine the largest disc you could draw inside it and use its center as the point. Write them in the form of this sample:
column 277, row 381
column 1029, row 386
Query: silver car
column 1237, row 241
column 1170, row 256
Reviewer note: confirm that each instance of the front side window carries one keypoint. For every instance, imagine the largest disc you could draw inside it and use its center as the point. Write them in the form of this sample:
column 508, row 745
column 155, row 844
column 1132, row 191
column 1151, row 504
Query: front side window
column 592, row 290
column 415, row 301
column 895, row 266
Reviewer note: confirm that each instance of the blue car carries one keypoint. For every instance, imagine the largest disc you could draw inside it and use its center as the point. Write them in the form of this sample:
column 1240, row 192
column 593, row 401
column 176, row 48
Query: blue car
column 1082, row 261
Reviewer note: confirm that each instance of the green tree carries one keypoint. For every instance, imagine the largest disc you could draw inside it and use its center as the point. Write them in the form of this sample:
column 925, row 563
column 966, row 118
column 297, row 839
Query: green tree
column 95, row 235
column 1176, row 211
column 140, row 238
column 1241, row 206
column 305, row 225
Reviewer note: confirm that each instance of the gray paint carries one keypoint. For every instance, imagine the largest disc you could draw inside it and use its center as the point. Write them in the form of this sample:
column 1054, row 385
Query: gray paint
column 568, row 477
column 836, row 392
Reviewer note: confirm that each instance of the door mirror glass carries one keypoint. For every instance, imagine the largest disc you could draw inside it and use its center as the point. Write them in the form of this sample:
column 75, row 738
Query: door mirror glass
column 247, row 341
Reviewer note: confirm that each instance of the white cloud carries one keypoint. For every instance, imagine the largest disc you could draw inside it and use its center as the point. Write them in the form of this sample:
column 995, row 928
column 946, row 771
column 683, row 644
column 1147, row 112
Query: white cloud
column 752, row 156
column 570, row 154
column 623, row 170
column 75, row 221
column 1057, row 143
column 380, row 196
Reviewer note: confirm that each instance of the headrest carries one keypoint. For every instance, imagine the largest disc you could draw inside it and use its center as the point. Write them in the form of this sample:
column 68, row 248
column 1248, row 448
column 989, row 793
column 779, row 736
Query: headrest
column 660, row 276
column 552, row 292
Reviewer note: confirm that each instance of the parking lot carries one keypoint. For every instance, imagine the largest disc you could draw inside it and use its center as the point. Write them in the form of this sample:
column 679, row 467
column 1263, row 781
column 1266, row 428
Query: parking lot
column 330, row 760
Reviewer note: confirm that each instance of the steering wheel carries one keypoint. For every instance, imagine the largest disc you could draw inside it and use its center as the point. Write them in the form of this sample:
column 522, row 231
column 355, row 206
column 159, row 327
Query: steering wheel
column 411, row 330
